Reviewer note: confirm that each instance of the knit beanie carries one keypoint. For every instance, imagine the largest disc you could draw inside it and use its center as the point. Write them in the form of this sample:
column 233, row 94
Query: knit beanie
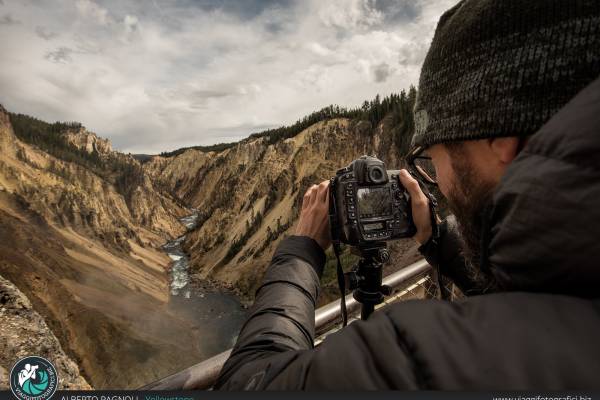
column 504, row 67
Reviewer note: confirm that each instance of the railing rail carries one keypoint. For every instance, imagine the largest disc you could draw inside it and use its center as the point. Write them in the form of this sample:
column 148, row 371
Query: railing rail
column 203, row 375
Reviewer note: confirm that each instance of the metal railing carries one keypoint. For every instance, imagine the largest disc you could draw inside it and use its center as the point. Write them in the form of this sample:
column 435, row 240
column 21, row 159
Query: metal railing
column 203, row 375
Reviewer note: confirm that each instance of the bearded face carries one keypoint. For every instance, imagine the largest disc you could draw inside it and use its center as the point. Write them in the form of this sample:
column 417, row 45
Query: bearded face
column 468, row 196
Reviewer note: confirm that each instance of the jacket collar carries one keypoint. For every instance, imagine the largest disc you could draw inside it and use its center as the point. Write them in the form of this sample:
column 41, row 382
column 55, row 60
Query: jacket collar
column 543, row 229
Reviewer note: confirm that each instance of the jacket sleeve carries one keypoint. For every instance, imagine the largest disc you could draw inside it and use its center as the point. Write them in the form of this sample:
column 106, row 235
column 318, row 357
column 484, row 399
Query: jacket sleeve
column 282, row 319
column 275, row 348
column 446, row 257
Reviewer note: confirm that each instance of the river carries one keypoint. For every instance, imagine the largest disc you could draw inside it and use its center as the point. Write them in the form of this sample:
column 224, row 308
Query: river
column 216, row 315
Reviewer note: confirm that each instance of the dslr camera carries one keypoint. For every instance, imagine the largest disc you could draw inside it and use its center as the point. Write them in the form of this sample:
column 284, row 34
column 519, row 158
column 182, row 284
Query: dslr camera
column 368, row 204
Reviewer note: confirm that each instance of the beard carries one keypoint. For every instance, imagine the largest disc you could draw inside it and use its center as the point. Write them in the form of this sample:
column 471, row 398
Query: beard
column 468, row 198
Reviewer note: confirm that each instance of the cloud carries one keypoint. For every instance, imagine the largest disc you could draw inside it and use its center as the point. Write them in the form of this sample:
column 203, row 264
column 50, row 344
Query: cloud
column 44, row 33
column 244, row 10
column 399, row 11
column 92, row 11
column 131, row 24
column 155, row 76
column 350, row 14
column 381, row 72
column 8, row 19
column 62, row 55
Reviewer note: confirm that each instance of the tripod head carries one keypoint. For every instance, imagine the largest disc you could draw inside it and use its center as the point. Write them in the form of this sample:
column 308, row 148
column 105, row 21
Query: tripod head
column 366, row 276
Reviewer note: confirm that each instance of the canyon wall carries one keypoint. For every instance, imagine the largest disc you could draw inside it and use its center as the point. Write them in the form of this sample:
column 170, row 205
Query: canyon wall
column 88, row 257
column 249, row 195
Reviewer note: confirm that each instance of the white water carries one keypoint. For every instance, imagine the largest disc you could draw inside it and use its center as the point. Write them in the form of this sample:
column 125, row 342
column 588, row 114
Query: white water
column 217, row 314
column 179, row 273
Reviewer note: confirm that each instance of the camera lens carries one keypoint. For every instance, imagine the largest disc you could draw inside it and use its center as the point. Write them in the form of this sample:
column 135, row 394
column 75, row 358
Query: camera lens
column 376, row 174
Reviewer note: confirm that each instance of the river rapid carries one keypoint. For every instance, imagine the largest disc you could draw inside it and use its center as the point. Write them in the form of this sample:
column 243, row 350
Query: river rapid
column 215, row 314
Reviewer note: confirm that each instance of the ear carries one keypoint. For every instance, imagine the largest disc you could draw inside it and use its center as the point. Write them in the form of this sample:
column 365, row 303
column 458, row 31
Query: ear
column 505, row 148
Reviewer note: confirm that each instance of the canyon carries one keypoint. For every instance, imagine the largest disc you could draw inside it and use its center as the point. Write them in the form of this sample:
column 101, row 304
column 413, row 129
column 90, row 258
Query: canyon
column 83, row 230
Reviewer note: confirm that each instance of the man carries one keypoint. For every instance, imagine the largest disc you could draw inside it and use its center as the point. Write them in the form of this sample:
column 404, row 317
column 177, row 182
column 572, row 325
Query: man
column 27, row 373
column 509, row 112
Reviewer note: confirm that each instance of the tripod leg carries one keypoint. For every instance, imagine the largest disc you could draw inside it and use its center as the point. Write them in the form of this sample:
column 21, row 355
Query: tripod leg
column 366, row 310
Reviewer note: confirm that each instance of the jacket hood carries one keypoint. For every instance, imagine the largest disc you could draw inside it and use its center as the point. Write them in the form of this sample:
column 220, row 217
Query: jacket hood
column 545, row 220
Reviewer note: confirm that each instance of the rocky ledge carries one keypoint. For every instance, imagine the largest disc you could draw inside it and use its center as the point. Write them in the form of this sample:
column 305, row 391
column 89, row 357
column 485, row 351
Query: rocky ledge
column 23, row 332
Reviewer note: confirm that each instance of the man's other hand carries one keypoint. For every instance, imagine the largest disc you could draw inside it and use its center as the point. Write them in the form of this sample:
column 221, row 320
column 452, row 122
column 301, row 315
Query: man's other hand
column 420, row 207
column 314, row 217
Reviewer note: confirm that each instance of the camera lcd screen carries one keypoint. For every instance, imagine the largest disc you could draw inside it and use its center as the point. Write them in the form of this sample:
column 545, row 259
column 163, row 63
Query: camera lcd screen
column 374, row 202
column 373, row 227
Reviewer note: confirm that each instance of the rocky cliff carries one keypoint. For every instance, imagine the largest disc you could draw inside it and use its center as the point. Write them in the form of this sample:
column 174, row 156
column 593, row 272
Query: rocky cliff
column 83, row 244
column 24, row 332
column 89, row 142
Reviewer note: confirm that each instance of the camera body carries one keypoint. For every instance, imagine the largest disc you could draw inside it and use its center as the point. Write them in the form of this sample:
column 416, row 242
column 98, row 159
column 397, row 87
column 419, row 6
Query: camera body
column 369, row 204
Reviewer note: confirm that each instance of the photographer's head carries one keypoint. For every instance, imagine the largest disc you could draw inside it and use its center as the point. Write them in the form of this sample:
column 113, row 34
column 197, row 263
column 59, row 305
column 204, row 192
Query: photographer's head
column 488, row 83
column 467, row 174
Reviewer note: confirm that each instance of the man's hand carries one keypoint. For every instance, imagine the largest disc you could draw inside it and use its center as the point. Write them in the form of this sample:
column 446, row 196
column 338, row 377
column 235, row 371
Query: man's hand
column 314, row 217
column 420, row 207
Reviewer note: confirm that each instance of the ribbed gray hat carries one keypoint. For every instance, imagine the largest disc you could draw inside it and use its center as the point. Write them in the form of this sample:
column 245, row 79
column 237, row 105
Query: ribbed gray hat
column 504, row 67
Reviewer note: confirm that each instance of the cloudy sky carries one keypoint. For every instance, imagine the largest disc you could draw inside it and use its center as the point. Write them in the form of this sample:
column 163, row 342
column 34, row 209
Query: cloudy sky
column 157, row 75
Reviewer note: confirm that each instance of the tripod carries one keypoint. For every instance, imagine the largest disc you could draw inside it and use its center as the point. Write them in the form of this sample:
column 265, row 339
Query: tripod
column 366, row 276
